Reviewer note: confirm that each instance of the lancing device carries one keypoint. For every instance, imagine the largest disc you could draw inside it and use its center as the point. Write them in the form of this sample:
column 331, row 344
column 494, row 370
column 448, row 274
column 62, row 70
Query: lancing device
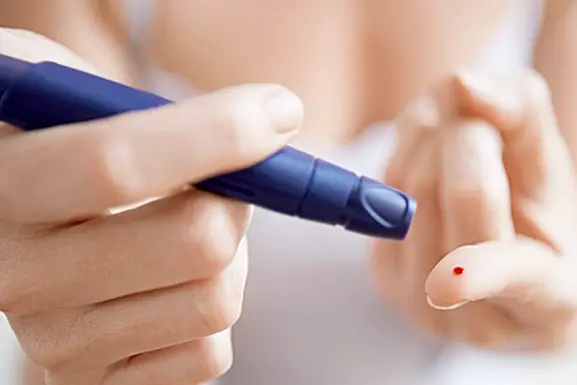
column 42, row 95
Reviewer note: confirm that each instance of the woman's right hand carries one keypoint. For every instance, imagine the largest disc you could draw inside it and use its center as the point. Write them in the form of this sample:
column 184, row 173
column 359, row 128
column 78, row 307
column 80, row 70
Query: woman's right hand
column 144, row 296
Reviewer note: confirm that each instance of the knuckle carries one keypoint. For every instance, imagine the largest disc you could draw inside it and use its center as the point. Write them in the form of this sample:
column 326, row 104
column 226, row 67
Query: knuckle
column 10, row 296
column 213, row 236
column 47, row 353
column 15, row 287
column 221, row 307
column 43, row 355
column 478, row 197
column 113, row 163
column 52, row 340
column 215, row 359
column 18, row 297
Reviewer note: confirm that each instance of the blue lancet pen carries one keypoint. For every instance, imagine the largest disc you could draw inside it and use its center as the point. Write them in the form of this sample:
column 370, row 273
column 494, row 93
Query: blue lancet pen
column 42, row 95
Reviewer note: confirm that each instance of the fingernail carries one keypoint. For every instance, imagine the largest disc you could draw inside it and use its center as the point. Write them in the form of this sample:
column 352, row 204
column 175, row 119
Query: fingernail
column 450, row 307
column 285, row 111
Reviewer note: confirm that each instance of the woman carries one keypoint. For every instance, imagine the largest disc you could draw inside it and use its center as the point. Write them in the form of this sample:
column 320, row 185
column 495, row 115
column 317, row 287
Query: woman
column 312, row 314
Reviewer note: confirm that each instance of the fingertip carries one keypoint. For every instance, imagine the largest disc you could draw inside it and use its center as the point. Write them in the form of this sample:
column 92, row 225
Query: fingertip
column 451, row 305
column 444, row 288
column 250, row 122
column 285, row 109
column 455, row 280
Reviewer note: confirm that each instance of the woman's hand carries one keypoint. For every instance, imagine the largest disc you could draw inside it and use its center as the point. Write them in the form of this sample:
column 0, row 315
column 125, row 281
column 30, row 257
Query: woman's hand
column 494, row 241
column 144, row 296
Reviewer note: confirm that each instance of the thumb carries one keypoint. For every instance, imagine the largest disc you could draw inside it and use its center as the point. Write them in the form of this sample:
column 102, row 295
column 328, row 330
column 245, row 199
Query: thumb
column 521, row 271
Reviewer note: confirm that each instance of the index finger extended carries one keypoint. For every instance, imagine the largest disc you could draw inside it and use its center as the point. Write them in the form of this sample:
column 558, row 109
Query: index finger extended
column 520, row 273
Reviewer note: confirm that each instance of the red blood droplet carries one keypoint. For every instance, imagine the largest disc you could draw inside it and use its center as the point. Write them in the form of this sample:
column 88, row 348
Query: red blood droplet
column 458, row 270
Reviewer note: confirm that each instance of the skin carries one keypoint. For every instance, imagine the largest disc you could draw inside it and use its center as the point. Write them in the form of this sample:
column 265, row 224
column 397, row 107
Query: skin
column 517, row 252
column 345, row 57
column 516, row 211
column 49, row 235
column 94, row 39
column 355, row 77
column 507, row 220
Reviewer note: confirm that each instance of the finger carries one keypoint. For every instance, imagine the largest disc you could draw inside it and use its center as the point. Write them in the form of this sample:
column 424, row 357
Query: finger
column 475, row 197
column 421, row 117
column 475, row 204
column 190, row 363
column 423, row 247
column 538, row 162
column 110, row 332
column 416, row 166
column 416, row 127
column 523, row 272
column 480, row 325
column 125, row 159
column 166, row 243
column 520, row 108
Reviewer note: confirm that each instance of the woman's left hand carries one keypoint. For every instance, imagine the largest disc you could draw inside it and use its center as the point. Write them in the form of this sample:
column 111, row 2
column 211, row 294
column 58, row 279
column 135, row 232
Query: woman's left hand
column 494, row 240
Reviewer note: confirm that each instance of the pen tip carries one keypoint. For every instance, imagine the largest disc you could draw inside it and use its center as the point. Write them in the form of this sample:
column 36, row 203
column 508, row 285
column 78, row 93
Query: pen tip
column 381, row 211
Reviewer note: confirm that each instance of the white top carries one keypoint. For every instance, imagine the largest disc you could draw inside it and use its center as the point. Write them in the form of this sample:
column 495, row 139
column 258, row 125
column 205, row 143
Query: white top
column 311, row 315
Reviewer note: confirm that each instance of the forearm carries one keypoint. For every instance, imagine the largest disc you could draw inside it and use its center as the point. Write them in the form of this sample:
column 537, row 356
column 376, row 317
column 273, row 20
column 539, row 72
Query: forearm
column 84, row 26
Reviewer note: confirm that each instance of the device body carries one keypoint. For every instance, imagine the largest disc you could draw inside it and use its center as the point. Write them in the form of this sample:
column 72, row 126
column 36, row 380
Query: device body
column 44, row 95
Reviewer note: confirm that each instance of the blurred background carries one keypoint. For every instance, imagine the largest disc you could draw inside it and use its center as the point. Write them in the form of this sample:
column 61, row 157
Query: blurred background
column 355, row 64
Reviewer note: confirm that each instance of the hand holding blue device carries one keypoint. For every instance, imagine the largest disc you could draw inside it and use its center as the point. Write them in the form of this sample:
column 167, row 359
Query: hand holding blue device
column 42, row 95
